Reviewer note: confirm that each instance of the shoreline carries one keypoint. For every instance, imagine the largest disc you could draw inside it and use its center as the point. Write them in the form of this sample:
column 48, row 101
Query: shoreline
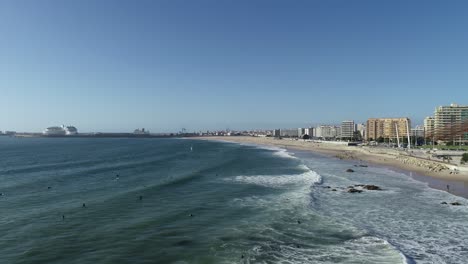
column 435, row 179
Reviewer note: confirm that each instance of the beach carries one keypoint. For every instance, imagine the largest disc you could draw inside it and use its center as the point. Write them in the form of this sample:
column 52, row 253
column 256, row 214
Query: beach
column 419, row 168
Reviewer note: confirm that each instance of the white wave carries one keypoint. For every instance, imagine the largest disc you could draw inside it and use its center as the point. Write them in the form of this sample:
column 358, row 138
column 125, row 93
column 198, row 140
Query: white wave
column 307, row 178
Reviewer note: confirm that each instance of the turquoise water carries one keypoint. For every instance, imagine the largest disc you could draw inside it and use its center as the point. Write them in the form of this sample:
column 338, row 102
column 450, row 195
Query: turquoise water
column 158, row 201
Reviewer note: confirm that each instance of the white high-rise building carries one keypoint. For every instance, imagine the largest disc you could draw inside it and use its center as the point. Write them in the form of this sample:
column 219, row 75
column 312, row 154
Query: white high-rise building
column 347, row 129
column 326, row 132
column 451, row 123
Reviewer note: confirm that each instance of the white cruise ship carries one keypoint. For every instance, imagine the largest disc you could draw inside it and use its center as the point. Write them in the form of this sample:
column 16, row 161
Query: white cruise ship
column 60, row 131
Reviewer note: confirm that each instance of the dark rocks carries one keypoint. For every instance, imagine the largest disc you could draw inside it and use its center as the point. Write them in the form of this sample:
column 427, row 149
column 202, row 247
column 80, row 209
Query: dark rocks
column 363, row 166
column 352, row 190
column 372, row 187
column 456, row 203
column 349, row 170
column 359, row 185
column 443, row 203
column 333, row 190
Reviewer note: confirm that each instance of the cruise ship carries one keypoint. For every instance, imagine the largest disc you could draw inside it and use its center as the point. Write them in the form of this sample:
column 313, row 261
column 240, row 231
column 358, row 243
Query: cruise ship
column 60, row 131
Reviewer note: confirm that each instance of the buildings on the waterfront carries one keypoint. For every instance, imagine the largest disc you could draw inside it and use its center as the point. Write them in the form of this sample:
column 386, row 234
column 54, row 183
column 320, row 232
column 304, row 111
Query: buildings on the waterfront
column 60, row 131
column 361, row 129
column 289, row 133
column 417, row 132
column 301, row 132
column 310, row 131
column 326, row 132
column 388, row 128
column 347, row 129
column 429, row 127
column 449, row 124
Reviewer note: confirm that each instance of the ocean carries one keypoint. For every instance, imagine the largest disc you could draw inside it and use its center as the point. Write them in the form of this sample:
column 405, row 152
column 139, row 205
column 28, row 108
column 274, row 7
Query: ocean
column 78, row 200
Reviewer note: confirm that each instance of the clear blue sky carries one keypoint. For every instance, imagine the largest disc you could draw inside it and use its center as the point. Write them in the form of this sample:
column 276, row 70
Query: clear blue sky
column 167, row 64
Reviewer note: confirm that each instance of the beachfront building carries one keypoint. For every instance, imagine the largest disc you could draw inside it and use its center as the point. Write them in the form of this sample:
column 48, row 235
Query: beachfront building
column 309, row 131
column 361, row 129
column 289, row 132
column 277, row 133
column 417, row 131
column 347, row 130
column 394, row 129
column 429, row 127
column 451, row 124
column 326, row 132
column 301, row 132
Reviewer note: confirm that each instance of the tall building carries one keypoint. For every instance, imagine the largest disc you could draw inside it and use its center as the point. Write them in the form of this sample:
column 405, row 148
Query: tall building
column 388, row 128
column 451, row 123
column 326, row 132
column 309, row 131
column 361, row 128
column 277, row 133
column 417, row 132
column 347, row 129
column 289, row 132
column 429, row 127
column 301, row 132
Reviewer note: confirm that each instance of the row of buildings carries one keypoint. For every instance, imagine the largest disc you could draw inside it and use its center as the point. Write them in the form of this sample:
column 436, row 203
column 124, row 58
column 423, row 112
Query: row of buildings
column 449, row 124
column 347, row 131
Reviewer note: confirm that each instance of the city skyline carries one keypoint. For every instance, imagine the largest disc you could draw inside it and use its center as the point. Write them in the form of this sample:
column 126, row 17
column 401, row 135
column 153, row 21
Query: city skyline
column 116, row 66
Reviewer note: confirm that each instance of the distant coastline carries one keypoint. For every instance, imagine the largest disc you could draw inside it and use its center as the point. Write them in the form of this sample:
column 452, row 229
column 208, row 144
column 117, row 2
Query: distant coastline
column 95, row 135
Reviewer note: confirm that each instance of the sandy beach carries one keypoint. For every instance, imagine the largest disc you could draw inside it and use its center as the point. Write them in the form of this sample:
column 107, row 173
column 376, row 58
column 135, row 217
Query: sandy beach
column 424, row 169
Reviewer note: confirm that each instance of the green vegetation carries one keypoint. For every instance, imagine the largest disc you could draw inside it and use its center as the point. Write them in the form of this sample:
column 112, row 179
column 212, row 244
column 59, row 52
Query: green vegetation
column 463, row 147
column 465, row 157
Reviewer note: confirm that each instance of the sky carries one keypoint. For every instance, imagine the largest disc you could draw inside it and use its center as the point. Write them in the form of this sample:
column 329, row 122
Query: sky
column 164, row 65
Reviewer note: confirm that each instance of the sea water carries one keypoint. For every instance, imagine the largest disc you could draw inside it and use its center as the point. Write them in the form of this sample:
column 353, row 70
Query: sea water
column 103, row 200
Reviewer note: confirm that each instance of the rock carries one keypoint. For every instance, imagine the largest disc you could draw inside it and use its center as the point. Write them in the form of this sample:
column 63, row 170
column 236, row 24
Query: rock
column 443, row 203
column 359, row 185
column 456, row 203
column 364, row 166
column 333, row 190
column 372, row 187
column 352, row 190
column 349, row 170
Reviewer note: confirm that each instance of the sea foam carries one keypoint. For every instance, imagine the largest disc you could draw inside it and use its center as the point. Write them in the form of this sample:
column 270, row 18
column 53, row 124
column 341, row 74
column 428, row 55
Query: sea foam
column 306, row 178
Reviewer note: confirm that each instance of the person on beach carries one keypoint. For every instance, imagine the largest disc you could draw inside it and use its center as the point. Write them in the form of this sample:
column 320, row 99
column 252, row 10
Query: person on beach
column 448, row 188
